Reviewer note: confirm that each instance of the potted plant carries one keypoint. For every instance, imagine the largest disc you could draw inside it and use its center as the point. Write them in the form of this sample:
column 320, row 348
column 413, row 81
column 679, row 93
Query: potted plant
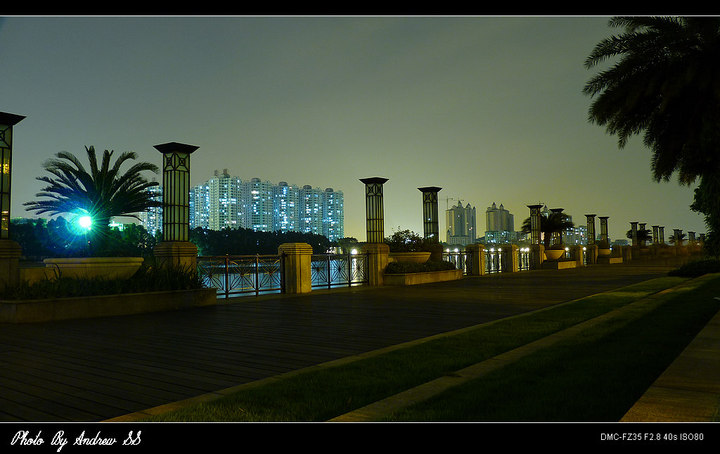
column 408, row 246
column 92, row 198
column 555, row 252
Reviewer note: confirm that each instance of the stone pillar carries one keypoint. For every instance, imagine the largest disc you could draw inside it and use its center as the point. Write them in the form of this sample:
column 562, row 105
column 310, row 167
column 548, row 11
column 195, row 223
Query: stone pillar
column 677, row 236
column 431, row 228
column 604, row 229
column 176, row 250
column 510, row 258
column 296, row 263
column 578, row 252
column 10, row 251
column 537, row 250
column 477, row 259
column 377, row 261
column 633, row 233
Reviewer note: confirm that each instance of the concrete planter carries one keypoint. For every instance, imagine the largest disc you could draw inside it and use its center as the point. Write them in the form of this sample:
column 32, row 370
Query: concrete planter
column 45, row 310
column 422, row 278
column 605, row 252
column 91, row 267
column 554, row 254
column 417, row 257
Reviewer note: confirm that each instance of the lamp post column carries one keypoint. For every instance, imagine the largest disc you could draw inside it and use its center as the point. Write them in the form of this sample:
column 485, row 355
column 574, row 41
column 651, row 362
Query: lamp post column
column 537, row 250
column 176, row 250
column 377, row 251
column 591, row 248
column 10, row 251
column 431, row 229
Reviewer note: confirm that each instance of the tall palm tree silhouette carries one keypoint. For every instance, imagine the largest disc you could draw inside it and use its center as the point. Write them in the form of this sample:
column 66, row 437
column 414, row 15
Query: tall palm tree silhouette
column 102, row 192
column 665, row 83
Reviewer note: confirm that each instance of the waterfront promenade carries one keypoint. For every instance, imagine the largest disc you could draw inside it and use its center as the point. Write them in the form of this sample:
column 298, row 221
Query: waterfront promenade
column 100, row 369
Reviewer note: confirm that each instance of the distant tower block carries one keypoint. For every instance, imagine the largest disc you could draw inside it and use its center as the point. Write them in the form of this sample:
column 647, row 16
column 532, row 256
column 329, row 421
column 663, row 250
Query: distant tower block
column 655, row 234
column 661, row 233
column 374, row 210
column 430, row 213
column 633, row 233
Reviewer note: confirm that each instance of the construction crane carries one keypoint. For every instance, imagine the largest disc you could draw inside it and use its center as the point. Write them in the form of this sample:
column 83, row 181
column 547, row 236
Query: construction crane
column 447, row 202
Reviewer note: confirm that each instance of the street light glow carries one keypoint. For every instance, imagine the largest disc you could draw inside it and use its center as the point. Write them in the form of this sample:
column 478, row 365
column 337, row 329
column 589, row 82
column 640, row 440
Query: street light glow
column 85, row 222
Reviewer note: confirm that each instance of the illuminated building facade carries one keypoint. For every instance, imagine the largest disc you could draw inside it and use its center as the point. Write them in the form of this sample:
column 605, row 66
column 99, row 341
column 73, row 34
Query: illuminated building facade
column 461, row 224
column 499, row 225
column 225, row 201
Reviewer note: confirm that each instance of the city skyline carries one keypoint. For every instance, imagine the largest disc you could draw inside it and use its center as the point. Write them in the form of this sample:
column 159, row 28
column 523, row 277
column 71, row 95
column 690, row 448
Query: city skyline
column 226, row 201
column 487, row 108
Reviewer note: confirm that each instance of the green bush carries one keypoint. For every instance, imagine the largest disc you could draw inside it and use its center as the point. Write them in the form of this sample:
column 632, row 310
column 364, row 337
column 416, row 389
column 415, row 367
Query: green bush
column 414, row 267
column 146, row 279
column 697, row 268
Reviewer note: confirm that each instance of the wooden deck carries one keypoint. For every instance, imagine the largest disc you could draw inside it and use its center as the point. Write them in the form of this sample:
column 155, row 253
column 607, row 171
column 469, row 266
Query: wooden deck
column 92, row 370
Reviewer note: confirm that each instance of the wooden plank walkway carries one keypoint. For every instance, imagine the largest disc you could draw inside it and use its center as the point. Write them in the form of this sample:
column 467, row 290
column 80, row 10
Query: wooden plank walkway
column 92, row 370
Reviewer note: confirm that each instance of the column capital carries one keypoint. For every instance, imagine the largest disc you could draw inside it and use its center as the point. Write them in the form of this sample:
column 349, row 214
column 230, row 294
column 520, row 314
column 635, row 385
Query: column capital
column 175, row 147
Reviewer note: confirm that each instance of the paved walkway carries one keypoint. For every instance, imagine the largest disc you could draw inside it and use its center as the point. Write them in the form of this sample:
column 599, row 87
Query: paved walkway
column 104, row 369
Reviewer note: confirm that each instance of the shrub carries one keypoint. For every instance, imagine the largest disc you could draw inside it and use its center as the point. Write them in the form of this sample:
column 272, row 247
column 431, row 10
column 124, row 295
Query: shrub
column 414, row 267
column 147, row 279
column 697, row 268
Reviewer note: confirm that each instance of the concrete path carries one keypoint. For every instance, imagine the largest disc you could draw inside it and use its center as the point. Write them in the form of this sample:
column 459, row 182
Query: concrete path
column 107, row 369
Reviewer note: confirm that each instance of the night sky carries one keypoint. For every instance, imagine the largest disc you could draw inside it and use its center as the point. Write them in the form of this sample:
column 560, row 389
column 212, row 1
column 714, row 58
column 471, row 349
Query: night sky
column 490, row 109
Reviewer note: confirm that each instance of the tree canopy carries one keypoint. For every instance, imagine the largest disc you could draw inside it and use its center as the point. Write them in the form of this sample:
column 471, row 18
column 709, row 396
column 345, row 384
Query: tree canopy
column 665, row 83
column 102, row 192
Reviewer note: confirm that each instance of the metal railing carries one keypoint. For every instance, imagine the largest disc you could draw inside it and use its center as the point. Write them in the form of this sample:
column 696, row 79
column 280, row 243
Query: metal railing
column 334, row 270
column 495, row 261
column 236, row 275
column 240, row 275
column 461, row 259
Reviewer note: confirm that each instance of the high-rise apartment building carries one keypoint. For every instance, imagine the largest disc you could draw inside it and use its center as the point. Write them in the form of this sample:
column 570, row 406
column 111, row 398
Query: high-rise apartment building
column 224, row 209
column 225, row 201
column 461, row 224
column 499, row 225
column 152, row 218
column 286, row 200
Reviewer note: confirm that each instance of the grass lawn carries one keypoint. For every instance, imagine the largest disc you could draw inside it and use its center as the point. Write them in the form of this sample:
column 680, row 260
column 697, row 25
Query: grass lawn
column 616, row 362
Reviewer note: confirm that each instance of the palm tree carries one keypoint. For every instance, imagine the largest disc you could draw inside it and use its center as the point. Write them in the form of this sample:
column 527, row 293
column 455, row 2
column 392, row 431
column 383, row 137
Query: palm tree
column 550, row 223
column 667, row 84
column 102, row 192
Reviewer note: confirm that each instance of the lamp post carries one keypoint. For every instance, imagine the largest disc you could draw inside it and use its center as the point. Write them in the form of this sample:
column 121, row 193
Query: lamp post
column 176, row 249
column 537, row 251
column 10, row 251
column 431, row 229
column 374, row 209
column 375, row 247
column 430, row 212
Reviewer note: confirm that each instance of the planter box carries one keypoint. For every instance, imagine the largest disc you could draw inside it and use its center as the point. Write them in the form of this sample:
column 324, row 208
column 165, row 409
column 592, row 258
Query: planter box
column 45, row 310
column 422, row 278
column 90, row 267
column 417, row 257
